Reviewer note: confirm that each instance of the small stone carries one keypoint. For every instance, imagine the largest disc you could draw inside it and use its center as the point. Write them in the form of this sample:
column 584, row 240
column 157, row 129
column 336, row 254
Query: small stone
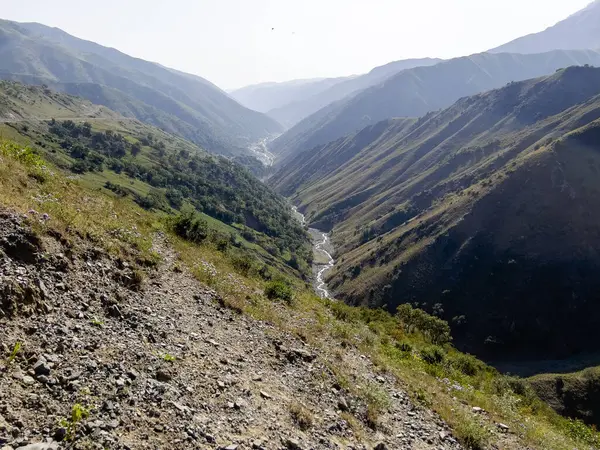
column 114, row 311
column 343, row 404
column 231, row 447
column 41, row 368
column 220, row 384
column 27, row 380
column 263, row 394
column 443, row 435
column 504, row 428
column 163, row 375
column 293, row 444
column 477, row 409
column 381, row 446
column 60, row 434
column 133, row 374
column 380, row 379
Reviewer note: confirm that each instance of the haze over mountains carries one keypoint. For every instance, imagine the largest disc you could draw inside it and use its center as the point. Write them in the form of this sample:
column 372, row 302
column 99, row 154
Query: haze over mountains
column 581, row 30
column 171, row 100
column 291, row 102
column 414, row 92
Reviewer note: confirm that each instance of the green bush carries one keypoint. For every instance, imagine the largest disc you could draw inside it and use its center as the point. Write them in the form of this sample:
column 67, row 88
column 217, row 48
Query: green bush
column 190, row 227
column 279, row 290
column 467, row 364
column 433, row 354
column 404, row 347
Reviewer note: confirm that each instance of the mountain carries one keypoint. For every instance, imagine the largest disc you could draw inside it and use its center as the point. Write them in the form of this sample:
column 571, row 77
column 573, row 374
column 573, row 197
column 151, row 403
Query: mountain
column 416, row 91
column 485, row 213
column 579, row 31
column 264, row 97
column 152, row 168
column 174, row 101
column 293, row 112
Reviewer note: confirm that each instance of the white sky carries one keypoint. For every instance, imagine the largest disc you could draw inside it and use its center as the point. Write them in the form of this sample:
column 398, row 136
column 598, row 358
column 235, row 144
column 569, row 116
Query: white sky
column 230, row 42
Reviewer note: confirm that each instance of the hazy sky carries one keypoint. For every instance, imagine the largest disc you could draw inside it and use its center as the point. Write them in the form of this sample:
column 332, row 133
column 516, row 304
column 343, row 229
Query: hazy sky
column 231, row 43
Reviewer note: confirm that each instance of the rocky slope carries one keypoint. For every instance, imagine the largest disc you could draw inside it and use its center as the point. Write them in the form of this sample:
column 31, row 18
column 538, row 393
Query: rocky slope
column 160, row 363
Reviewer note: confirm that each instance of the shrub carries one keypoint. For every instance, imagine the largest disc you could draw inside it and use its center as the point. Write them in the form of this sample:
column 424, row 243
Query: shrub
column 467, row 364
column 433, row 354
column 279, row 290
column 301, row 416
column 243, row 264
column 191, row 227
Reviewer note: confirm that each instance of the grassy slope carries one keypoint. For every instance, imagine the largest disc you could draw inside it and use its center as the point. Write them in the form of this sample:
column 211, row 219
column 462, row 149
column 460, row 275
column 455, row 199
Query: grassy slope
column 415, row 92
column 450, row 386
column 26, row 109
column 411, row 212
column 176, row 101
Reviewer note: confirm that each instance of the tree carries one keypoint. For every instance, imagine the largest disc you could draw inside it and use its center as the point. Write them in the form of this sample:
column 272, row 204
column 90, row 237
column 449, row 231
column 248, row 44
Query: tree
column 135, row 149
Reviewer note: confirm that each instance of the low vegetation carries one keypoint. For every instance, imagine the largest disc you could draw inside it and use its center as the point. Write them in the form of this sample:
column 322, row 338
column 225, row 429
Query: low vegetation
column 408, row 345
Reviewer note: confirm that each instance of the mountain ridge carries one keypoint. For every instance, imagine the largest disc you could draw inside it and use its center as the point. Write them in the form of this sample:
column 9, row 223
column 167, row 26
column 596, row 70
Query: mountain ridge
column 414, row 207
column 414, row 92
column 221, row 124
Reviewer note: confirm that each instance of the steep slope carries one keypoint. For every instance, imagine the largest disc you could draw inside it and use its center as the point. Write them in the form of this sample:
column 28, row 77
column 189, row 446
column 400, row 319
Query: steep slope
column 417, row 91
column 179, row 102
column 579, row 31
column 116, row 333
column 156, row 170
column 294, row 112
column 474, row 213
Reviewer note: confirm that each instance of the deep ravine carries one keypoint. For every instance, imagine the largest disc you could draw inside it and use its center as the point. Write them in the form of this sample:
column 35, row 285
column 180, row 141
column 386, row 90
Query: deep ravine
column 323, row 261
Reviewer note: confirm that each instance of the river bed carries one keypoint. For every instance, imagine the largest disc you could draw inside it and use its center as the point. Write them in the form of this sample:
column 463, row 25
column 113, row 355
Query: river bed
column 323, row 261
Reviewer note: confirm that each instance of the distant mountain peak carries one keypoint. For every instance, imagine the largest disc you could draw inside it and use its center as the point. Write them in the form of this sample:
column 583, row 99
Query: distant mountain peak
column 580, row 30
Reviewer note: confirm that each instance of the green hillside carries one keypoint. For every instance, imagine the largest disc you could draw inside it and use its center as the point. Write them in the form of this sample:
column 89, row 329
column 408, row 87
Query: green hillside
column 483, row 213
column 176, row 102
column 415, row 92
column 157, row 170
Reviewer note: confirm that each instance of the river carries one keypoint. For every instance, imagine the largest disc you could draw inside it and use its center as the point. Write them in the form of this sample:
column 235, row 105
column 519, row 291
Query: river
column 260, row 149
column 323, row 261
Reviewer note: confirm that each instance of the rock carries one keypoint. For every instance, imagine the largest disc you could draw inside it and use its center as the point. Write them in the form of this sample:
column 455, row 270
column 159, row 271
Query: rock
column 230, row 447
column 299, row 353
column 114, row 311
column 292, row 444
column 263, row 394
column 163, row 375
column 41, row 446
column 380, row 379
column 381, row 446
column 41, row 368
column 504, row 428
column 240, row 403
column 343, row 404
column 443, row 435
column 477, row 409
column 133, row 374
column 60, row 434
column 27, row 380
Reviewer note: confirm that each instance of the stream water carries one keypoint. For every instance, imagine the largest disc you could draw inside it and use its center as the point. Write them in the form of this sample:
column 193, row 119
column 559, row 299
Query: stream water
column 323, row 261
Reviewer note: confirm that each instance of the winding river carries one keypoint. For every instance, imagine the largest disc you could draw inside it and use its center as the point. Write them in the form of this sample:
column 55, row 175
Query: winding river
column 323, row 261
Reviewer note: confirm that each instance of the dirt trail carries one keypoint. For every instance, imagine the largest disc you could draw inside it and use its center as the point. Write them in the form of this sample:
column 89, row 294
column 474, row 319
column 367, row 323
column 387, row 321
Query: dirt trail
column 166, row 366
